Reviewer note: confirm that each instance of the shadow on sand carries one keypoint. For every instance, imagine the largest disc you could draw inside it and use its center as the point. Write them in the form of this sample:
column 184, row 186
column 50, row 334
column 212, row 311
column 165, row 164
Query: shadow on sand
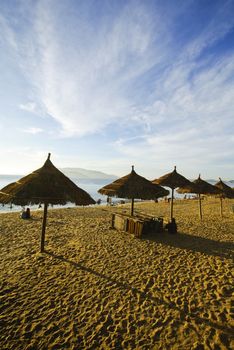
column 194, row 243
column 183, row 312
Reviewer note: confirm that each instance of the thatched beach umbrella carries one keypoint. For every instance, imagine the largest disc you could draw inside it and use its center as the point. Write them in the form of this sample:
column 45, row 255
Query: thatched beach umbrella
column 227, row 192
column 199, row 187
column 133, row 186
column 46, row 185
column 172, row 180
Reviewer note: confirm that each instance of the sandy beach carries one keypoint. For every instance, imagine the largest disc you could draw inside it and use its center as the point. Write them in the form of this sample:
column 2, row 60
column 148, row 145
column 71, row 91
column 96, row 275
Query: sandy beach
column 98, row 288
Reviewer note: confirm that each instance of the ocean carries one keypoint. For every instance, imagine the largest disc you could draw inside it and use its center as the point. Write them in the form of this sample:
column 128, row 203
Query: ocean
column 90, row 187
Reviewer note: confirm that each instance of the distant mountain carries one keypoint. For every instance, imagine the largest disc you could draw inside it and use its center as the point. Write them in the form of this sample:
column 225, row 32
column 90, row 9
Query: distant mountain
column 213, row 181
column 88, row 176
column 12, row 177
column 85, row 175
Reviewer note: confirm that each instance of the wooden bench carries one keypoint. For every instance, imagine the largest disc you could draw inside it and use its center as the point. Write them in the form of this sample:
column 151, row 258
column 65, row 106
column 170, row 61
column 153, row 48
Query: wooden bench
column 136, row 225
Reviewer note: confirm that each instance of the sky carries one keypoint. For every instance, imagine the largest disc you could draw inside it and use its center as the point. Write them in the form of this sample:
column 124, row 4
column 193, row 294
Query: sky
column 107, row 84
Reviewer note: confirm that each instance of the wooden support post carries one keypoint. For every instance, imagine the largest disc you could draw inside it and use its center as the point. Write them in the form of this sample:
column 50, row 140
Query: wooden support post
column 221, row 207
column 200, row 208
column 113, row 220
column 132, row 206
column 172, row 199
column 43, row 227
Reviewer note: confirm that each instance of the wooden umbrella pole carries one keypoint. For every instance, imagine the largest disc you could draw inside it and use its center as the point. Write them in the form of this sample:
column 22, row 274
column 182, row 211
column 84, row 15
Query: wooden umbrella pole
column 200, row 209
column 221, row 207
column 132, row 206
column 172, row 198
column 44, row 227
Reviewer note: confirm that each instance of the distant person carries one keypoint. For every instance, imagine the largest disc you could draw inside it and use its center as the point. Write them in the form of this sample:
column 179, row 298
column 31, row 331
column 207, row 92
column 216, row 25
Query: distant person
column 28, row 214
column 99, row 201
column 23, row 214
column 171, row 226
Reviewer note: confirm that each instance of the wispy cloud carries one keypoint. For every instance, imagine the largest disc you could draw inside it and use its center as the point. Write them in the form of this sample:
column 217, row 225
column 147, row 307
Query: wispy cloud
column 31, row 158
column 85, row 85
column 132, row 67
column 9, row 33
column 29, row 107
column 91, row 90
column 32, row 130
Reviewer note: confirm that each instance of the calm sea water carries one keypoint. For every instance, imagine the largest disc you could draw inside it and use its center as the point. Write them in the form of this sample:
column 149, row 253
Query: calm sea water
column 89, row 187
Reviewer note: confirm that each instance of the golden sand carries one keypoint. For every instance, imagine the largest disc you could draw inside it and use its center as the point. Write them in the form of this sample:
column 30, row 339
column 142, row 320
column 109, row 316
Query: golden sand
column 98, row 288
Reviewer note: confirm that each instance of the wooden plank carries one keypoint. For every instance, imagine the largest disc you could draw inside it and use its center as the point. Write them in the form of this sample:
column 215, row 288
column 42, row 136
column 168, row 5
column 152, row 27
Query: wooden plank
column 137, row 225
column 131, row 226
column 120, row 222
column 139, row 228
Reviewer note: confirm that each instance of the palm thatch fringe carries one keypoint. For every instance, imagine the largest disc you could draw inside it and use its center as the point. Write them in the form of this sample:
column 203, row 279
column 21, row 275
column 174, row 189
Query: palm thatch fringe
column 172, row 180
column 227, row 192
column 199, row 187
column 46, row 185
column 133, row 186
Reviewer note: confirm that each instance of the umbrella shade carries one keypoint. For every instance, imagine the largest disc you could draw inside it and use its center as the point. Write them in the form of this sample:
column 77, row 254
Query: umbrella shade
column 199, row 187
column 172, row 180
column 46, row 185
column 227, row 192
column 133, row 186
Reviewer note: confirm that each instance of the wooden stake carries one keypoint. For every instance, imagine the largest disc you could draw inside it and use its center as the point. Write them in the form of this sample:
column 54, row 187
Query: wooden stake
column 44, row 227
column 132, row 206
column 200, row 209
column 172, row 198
column 221, row 207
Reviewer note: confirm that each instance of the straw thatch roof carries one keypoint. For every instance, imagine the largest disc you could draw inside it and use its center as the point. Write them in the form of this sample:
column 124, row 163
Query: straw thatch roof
column 227, row 191
column 172, row 180
column 45, row 185
column 199, row 186
column 133, row 186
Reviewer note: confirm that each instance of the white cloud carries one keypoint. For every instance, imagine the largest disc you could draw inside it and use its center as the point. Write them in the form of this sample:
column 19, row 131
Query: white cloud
column 21, row 160
column 32, row 130
column 220, row 25
column 96, row 81
column 132, row 70
column 29, row 107
column 85, row 85
column 9, row 34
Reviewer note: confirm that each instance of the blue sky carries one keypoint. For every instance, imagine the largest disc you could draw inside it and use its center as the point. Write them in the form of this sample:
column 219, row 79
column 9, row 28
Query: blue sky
column 104, row 84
